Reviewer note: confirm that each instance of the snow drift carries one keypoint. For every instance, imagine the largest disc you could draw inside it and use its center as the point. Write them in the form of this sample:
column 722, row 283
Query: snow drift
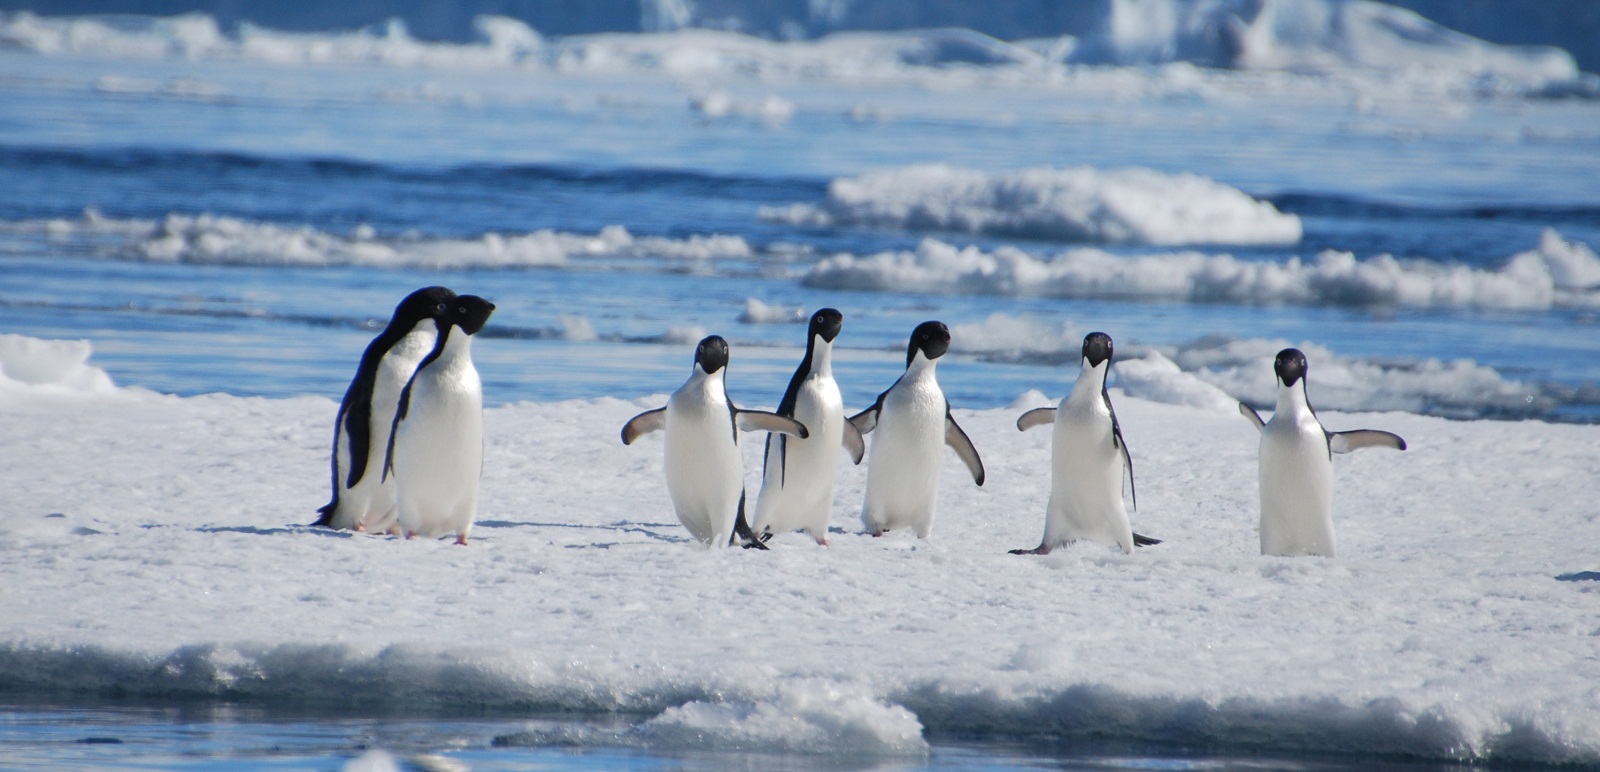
column 1115, row 206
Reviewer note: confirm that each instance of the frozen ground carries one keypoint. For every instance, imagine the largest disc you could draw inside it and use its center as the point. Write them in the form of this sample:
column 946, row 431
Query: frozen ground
column 152, row 546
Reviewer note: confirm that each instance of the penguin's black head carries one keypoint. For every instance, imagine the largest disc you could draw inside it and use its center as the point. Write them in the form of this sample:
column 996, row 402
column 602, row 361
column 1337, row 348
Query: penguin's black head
column 1290, row 366
column 827, row 323
column 470, row 313
column 931, row 338
column 425, row 303
column 711, row 354
column 1096, row 348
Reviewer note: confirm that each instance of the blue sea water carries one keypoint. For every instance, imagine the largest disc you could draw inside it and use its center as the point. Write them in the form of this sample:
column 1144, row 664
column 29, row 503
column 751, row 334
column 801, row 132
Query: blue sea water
column 418, row 155
column 439, row 155
column 207, row 735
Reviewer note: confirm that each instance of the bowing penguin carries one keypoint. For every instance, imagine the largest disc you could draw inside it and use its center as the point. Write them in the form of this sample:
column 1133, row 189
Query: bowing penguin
column 363, row 496
column 436, row 446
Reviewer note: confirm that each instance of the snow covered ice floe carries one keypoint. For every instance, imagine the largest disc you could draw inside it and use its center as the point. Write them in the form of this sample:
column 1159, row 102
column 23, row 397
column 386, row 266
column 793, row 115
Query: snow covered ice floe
column 1081, row 204
column 157, row 551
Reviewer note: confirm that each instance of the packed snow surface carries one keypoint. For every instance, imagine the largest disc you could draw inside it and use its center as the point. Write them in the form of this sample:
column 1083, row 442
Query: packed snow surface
column 153, row 545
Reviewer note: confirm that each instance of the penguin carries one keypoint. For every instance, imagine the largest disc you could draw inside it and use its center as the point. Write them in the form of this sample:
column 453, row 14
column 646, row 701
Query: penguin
column 913, row 421
column 797, row 480
column 363, row 498
column 436, row 446
column 1088, row 458
column 704, row 468
column 1295, row 471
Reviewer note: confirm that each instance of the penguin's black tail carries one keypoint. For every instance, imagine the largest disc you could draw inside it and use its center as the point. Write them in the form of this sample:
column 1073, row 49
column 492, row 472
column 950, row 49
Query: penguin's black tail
column 325, row 513
column 1140, row 540
column 743, row 534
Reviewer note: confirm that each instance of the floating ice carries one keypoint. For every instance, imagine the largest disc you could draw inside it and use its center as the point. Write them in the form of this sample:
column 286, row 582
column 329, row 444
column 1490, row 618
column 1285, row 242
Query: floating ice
column 758, row 312
column 1019, row 338
column 1159, row 379
column 1553, row 275
column 223, row 240
column 1462, row 388
column 1215, row 373
column 804, row 717
column 1116, row 206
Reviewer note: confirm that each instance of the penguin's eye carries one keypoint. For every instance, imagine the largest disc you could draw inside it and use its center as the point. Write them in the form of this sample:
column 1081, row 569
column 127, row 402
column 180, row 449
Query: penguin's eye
column 461, row 310
column 443, row 307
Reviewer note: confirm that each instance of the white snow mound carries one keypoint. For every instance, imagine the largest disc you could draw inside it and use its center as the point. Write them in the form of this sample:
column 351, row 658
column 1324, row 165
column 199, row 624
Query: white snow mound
column 34, row 365
column 1080, row 204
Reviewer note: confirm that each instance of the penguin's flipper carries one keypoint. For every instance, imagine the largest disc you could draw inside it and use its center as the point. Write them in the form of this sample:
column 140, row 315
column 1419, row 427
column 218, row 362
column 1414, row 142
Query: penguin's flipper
column 1344, row 442
column 1250, row 413
column 1140, row 540
column 1039, row 416
column 644, row 423
column 854, row 442
column 867, row 420
column 1122, row 447
column 957, row 439
column 400, row 415
column 357, row 423
column 762, row 421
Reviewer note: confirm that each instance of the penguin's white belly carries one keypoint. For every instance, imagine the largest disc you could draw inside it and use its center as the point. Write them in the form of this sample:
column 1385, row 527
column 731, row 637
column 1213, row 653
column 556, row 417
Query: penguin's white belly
column 1085, row 482
column 438, row 455
column 370, row 503
column 1296, row 483
column 705, row 473
column 903, row 473
column 797, row 488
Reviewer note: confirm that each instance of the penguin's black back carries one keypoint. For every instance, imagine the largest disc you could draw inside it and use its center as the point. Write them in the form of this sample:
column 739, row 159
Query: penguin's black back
column 355, row 410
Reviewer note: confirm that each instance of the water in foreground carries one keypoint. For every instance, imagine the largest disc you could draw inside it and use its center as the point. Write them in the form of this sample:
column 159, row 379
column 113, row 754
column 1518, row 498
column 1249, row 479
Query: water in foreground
column 113, row 734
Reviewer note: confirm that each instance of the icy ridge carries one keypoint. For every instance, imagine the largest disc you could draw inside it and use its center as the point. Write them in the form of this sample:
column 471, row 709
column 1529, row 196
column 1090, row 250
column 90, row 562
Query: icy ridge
column 1556, row 274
